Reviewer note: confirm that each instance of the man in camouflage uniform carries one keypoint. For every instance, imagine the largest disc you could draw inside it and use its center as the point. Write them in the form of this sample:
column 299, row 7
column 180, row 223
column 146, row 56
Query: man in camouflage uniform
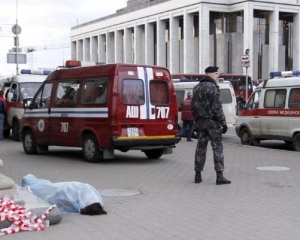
column 209, row 116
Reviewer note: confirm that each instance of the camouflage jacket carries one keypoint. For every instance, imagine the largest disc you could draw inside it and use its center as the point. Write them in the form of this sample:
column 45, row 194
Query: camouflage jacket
column 206, row 102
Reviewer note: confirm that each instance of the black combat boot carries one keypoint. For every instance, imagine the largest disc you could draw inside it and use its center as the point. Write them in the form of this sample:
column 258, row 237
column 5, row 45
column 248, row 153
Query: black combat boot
column 198, row 178
column 221, row 179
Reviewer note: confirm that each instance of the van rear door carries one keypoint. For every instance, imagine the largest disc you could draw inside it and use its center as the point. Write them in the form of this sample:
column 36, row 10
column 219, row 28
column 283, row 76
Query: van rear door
column 228, row 103
column 147, row 106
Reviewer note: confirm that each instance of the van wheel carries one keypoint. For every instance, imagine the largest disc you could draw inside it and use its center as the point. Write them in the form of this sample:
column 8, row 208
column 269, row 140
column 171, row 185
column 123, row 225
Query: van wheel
column 246, row 137
column 296, row 143
column 29, row 143
column 154, row 153
column 90, row 149
column 15, row 130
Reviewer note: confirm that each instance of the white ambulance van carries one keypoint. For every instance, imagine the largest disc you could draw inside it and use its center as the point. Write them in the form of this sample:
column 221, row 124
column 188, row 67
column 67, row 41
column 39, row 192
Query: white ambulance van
column 182, row 87
column 16, row 89
column 273, row 111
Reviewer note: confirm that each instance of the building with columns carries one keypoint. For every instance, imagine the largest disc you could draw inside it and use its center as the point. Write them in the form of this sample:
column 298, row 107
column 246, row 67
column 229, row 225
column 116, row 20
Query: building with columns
column 186, row 36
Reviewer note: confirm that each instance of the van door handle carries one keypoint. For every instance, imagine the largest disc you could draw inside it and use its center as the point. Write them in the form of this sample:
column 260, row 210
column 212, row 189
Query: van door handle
column 255, row 117
column 153, row 111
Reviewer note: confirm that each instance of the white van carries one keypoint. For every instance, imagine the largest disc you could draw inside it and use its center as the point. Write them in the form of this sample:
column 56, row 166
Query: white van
column 272, row 112
column 182, row 87
column 16, row 89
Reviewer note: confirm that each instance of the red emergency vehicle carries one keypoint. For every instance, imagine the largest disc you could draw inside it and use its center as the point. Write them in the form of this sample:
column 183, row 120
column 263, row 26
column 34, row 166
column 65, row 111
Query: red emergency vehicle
column 103, row 108
column 238, row 81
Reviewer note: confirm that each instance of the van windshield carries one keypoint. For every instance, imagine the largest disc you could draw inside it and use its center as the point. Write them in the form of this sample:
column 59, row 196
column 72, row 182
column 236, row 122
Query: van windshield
column 28, row 89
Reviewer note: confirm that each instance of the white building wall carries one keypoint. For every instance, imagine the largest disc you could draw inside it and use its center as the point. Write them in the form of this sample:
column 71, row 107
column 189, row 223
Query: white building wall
column 183, row 55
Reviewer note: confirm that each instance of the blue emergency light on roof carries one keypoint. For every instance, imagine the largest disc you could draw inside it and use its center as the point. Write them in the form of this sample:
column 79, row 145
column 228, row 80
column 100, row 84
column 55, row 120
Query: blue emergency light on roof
column 285, row 74
column 35, row 72
column 75, row 63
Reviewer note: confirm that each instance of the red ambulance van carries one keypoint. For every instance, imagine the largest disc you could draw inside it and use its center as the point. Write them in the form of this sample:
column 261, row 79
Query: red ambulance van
column 103, row 108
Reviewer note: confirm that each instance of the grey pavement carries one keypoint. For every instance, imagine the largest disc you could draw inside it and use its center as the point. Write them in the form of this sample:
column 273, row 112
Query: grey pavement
column 157, row 199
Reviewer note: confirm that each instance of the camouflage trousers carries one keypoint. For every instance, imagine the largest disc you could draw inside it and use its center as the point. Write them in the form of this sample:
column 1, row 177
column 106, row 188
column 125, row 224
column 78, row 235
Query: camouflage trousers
column 209, row 130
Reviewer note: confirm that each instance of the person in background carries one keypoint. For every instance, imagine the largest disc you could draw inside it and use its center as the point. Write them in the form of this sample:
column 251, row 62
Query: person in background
column 2, row 113
column 210, row 119
column 187, row 117
column 240, row 101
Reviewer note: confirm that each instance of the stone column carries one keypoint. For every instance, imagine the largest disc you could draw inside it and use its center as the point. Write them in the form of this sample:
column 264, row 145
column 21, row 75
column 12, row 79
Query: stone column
column 273, row 40
column 248, row 35
column 149, row 43
column 80, row 50
column 174, row 45
column 188, row 56
column 139, row 44
column 87, row 49
column 128, row 45
column 74, row 50
column 94, row 49
column 102, row 48
column 296, row 42
column 119, row 46
column 110, row 44
column 161, row 43
column 204, row 46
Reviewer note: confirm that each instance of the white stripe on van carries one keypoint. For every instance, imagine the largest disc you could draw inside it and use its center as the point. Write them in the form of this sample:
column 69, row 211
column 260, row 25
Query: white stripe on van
column 68, row 112
column 143, row 108
column 150, row 106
